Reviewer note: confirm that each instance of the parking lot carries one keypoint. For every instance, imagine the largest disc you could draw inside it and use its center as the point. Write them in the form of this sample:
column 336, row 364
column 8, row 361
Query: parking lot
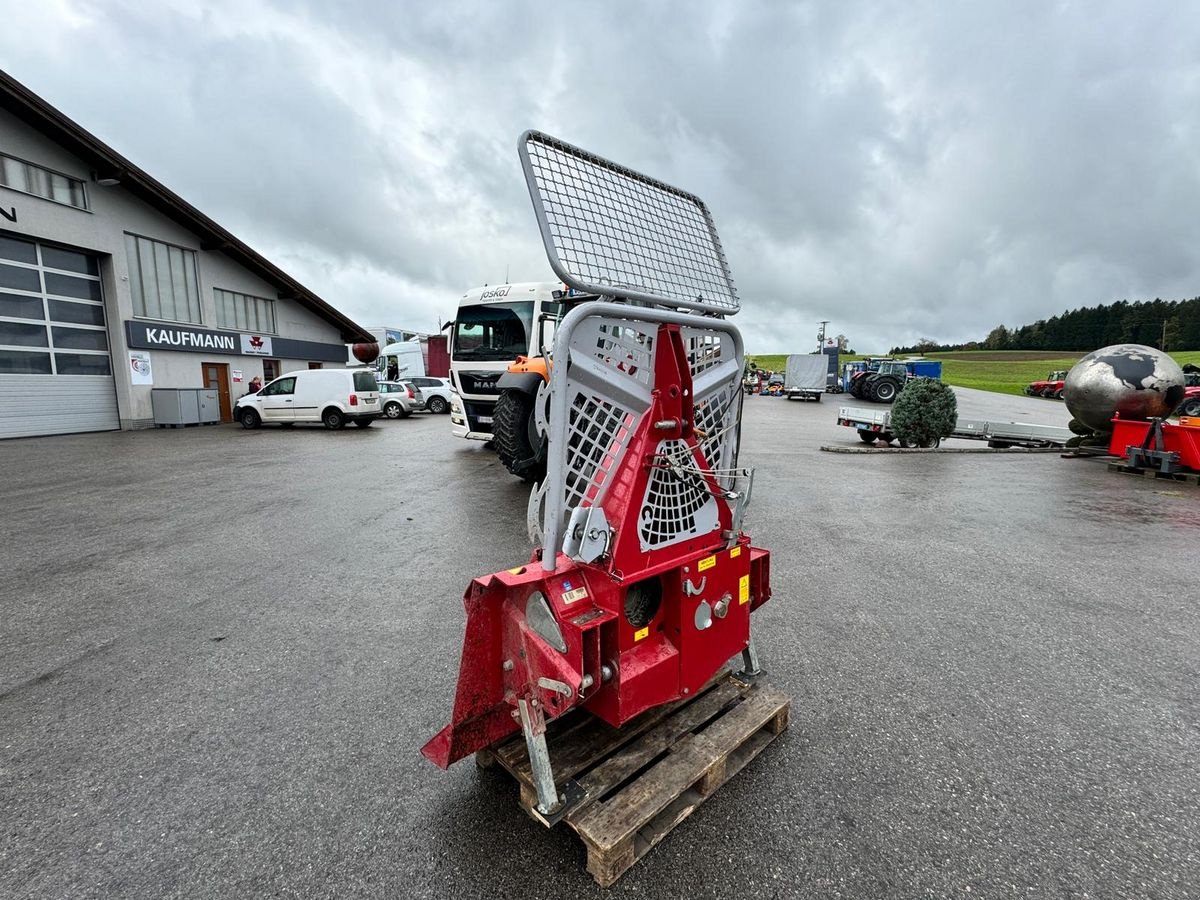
column 221, row 651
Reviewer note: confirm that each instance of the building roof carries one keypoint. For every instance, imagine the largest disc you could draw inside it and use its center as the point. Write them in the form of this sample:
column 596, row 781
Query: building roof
column 108, row 163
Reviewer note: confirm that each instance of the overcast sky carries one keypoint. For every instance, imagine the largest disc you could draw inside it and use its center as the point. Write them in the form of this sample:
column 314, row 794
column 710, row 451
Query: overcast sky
column 904, row 170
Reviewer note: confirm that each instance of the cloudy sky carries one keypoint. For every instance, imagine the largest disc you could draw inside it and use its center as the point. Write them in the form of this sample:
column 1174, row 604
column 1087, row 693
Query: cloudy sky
column 904, row 170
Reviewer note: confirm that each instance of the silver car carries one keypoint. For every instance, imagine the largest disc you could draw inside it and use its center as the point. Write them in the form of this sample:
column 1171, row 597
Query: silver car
column 398, row 399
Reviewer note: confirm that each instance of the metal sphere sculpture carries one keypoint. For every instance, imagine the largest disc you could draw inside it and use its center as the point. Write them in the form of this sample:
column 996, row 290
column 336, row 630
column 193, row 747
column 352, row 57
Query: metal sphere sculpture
column 1135, row 381
column 365, row 352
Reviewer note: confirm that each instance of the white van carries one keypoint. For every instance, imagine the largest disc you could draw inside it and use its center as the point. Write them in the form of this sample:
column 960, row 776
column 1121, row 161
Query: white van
column 330, row 396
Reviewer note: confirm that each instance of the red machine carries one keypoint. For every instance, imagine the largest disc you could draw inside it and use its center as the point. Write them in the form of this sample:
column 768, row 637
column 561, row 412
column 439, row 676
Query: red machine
column 643, row 584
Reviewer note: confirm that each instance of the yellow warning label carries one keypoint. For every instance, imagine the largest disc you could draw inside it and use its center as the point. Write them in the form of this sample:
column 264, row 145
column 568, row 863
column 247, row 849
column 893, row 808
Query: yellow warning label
column 577, row 594
column 744, row 589
column 735, row 552
column 641, row 633
column 707, row 563
column 519, row 570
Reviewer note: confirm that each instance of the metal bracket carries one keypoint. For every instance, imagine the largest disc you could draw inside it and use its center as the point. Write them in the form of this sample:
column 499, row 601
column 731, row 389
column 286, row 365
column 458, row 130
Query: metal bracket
column 587, row 534
column 692, row 590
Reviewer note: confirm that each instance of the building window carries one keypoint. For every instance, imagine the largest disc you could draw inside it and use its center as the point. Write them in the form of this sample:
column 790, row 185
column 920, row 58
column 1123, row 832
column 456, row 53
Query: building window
column 162, row 279
column 51, row 311
column 30, row 179
column 244, row 312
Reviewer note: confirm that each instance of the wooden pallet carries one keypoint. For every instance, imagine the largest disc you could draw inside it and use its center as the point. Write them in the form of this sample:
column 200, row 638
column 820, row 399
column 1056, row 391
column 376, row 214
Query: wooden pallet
column 642, row 780
column 1184, row 477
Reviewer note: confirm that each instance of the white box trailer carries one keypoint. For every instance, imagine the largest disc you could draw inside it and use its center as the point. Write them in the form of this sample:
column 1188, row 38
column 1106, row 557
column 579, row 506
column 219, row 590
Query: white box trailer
column 805, row 376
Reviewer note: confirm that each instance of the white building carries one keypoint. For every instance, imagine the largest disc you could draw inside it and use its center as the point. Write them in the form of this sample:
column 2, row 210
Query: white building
column 111, row 285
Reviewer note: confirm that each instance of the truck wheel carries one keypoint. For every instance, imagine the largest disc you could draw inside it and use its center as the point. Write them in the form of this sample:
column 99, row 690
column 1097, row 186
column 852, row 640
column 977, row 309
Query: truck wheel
column 867, row 437
column 886, row 390
column 518, row 445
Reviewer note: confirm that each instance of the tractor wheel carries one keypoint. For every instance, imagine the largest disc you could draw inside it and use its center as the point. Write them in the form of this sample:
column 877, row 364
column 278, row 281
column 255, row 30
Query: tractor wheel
column 886, row 390
column 856, row 388
column 518, row 444
column 1058, row 395
column 867, row 437
column 1190, row 407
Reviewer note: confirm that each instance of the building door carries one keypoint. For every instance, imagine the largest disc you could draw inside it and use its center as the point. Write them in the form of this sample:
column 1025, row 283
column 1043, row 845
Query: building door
column 56, row 372
column 216, row 377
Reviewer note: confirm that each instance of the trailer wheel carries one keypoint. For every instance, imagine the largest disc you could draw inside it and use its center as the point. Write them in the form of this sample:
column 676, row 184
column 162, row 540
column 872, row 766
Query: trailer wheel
column 867, row 437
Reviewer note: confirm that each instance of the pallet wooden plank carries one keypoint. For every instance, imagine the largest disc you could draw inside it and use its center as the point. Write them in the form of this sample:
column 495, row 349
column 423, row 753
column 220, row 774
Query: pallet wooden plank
column 606, row 825
column 588, row 739
column 610, row 773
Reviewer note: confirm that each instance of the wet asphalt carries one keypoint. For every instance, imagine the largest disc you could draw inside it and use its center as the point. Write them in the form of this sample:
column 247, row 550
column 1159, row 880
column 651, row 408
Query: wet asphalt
column 221, row 650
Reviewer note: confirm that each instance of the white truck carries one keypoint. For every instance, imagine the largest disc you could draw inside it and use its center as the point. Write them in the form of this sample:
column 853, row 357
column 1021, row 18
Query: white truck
column 805, row 376
column 493, row 326
column 400, row 355
column 876, row 425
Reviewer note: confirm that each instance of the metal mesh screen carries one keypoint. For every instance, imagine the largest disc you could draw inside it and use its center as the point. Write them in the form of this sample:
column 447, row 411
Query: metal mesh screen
column 605, row 369
column 677, row 506
column 611, row 230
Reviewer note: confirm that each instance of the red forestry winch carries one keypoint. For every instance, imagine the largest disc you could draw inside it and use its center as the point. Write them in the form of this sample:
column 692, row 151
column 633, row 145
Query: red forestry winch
column 644, row 583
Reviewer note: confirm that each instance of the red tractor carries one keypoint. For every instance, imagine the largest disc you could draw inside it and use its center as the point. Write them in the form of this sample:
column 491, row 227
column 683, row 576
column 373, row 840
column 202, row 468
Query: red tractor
column 1050, row 388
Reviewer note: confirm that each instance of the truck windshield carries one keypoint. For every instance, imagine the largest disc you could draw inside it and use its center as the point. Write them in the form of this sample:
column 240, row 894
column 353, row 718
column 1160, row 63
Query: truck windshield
column 493, row 331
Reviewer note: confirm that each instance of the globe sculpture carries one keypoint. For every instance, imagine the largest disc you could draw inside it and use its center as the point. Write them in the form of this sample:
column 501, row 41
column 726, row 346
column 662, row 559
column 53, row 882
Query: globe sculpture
column 365, row 352
column 1134, row 381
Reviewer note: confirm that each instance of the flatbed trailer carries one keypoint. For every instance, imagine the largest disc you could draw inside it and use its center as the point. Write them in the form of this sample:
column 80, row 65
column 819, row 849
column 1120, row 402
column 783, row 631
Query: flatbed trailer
column 876, row 424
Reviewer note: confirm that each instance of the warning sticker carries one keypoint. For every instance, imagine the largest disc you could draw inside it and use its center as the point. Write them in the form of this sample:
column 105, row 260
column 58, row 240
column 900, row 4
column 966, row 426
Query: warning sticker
column 735, row 552
column 744, row 589
column 577, row 594
column 707, row 563
column 641, row 633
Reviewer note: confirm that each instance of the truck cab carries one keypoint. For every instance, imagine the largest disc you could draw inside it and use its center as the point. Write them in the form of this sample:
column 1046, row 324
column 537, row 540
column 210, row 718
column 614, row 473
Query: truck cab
column 493, row 326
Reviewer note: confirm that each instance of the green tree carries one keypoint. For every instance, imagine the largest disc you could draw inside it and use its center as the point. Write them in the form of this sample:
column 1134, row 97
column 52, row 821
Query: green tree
column 925, row 412
column 997, row 339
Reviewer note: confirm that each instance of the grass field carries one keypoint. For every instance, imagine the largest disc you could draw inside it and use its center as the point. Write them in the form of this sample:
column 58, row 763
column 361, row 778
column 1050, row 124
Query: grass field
column 1005, row 372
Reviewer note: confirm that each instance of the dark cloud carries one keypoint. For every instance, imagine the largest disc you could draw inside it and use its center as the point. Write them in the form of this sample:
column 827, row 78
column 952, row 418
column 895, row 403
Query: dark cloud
column 920, row 170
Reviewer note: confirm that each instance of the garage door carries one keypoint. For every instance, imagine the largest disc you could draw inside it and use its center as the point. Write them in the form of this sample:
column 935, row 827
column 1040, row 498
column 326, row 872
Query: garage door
column 56, row 373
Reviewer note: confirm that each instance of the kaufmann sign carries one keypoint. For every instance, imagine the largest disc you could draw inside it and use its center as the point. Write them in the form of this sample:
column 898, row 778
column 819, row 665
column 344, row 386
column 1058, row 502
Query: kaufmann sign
column 151, row 336
column 198, row 340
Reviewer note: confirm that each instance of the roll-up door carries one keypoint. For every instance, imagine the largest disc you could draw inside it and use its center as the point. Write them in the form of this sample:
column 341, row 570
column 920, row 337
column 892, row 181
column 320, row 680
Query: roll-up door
column 56, row 374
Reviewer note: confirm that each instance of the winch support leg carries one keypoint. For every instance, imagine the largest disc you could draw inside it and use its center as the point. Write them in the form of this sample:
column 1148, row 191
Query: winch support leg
column 533, row 724
column 750, row 660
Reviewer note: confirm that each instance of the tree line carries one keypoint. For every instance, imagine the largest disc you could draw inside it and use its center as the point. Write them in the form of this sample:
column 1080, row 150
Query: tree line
column 1165, row 324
